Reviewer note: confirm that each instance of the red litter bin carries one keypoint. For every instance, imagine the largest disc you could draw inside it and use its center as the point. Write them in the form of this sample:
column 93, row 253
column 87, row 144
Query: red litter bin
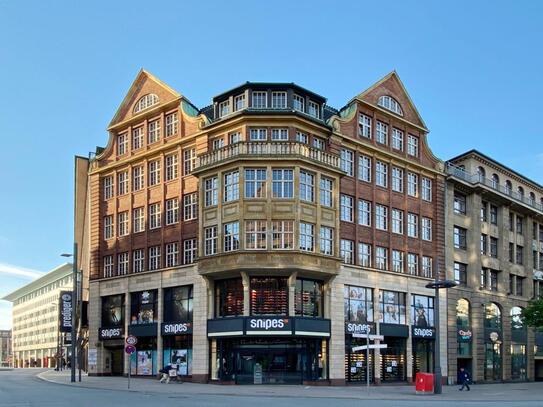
column 424, row 383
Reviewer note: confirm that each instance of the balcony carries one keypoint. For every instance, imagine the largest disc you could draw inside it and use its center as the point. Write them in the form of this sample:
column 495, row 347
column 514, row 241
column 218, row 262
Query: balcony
column 269, row 151
column 479, row 180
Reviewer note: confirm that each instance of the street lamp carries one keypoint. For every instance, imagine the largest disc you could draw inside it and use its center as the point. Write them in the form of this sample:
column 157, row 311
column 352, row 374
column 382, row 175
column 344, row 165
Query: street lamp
column 74, row 302
column 438, row 285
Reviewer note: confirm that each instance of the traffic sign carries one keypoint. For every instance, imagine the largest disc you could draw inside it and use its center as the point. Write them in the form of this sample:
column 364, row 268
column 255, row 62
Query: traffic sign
column 131, row 340
column 130, row 349
column 365, row 347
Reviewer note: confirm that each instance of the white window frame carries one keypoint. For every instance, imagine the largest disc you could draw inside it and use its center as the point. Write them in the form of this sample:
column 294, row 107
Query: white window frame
column 189, row 160
column 313, row 109
column 280, row 134
column 154, row 258
column 190, row 206
column 302, row 137
column 137, row 138
column 412, row 145
column 412, row 184
column 172, row 166
column 211, row 191
column 282, row 183
column 283, row 234
column 138, row 181
column 171, row 124
column 239, row 102
column 138, row 260
column 397, row 139
column 426, row 189
column 426, row 229
column 122, row 144
column 231, row 236
column 397, row 261
column 108, row 266
column 123, row 223
column 364, row 254
column 326, row 241
column 253, row 178
column 224, row 108
column 172, row 211
column 413, row 264
column 412, row 225
column 346, row 208
column 347, row 161
column 108, row 184
column 347, row 251
column 109, row 227
column 154, row 172
column 279, row 97
column 397, row 179
column 256, row 235
column 397, row 221
column 138, row 219
column 307, row 186
column 155, row 216
column 381, row 217
column 364, row 123
column 210, row 241
column 123, row 263
column 259, row 96
column 189, row 251
column 364, row 212
column 306, row 241
column 172, row 254
column 122, row 182
column 364, row 168
column 381, row 258
column 298, row 103
column 153, row 131
column 381, row 133
column 231, row 186
column 326, row 191
column 381, row 174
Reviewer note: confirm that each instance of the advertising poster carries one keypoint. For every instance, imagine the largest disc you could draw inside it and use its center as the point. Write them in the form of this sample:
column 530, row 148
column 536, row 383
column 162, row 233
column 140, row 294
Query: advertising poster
column 144, row 363
column 179, row 357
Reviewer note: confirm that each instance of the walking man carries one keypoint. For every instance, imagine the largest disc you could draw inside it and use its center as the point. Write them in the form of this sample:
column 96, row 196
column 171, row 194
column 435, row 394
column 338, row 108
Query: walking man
column 463, row 377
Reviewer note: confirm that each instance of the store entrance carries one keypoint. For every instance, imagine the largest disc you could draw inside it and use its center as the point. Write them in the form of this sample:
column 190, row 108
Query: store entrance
column 393, row 368
column 117, row 361
column 262, row 366
column 423, row 356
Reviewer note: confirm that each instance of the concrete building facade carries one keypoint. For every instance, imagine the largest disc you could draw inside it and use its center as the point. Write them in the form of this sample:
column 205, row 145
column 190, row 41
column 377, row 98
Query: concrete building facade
column 36, row 341
column 5, row 348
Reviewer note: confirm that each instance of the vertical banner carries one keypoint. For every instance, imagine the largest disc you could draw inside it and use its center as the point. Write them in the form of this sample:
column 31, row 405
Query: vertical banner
column 65, row 311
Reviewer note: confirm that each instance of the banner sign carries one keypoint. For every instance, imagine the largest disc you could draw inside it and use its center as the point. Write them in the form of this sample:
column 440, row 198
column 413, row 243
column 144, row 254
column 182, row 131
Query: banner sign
column 111, row 333
column 360, row 328
column 65, row 311
column 423, row 333
column 465, row 335
column 266, row 325
column 176, row 328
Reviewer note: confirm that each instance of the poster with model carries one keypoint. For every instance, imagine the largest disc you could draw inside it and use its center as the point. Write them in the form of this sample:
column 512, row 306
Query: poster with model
column 112, row 310
column 145, row 363
column 179, row 357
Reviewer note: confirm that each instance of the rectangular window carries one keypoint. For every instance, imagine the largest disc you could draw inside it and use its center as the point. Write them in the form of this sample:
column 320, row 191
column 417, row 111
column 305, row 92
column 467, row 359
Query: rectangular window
column 412, row 184
column 364, row 126
column 231, row 236
column 364, row 254
column 231, row 186
column 484, row 278
column 347, row 251
column 397, row 221
column 137, row 138
column 137, row 178
column 172, row 254
column 347, row 208
column 412, row 225
column 255, row 183
column 224, row 108
column 283, row 234
column 397, row 139
column 172, row 169
column 358, row 304
column 108, row 227
column 461, row 274
column 122, row 144
column 327, row 240
column 122, row 264
column 307, row 186
column 259, row 100
column 313, row 109
column 426, row 189
column 413, row 264
column 301, row 137
column 172, row 211
column 520, row 286
column 493, row 280
column 234, row 138
column 282, row 183
column 412, row 145
column 397, row 179
column 381, row 133
column 108, row 187
column 459, row 204
column 279, row 100
column 122, row 183
column 427, row 267
column 381, row 217
column 269, row 296
column 298, row 103
column 459, row 238
column 190, row 206
column 171, row 124
column 520, row 255
column 153, row 132
column 511, row 252
column 307, row 237
column 392, row 307
column 381, row 258
column 210, row 240
column 154, row 258
column 520, row 224
column 364, row 212
column 484, row 212
column 426, row 229
column 211, row 191
column 138, row 220
column 255, row 234
column 364, row 168
column 381, row 174
column 189, row 160
column 122, row 218
column 493, row 247
column 155, row 216
column 218, row 143
column 154, row 172
column 239, row 102
column 318, row 143
column 422, row 311
column 397, row 261
column 308, row 298
column 279, row 134
column 326, row 188
column 347, row 161
column 189, row 251
column 138, row 260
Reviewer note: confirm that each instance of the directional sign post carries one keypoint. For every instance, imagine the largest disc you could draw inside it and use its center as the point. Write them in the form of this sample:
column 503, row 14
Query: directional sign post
column 367, row 348
column 130, row 349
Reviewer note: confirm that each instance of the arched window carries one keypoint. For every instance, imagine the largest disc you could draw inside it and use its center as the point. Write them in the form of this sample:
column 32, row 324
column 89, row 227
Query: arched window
column 390, row 104
column 493, row 316
column 145, row 102
column 508, row 187
column 516, row 319
column 462, row 313
column 520, row 191
column 532, row 198
column 463, row 328
column 481, row 174
column 495, row 181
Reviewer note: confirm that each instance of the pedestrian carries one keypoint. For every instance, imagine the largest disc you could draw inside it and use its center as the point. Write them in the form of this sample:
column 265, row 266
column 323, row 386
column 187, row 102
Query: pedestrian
column 463, row 377
column 165, row 371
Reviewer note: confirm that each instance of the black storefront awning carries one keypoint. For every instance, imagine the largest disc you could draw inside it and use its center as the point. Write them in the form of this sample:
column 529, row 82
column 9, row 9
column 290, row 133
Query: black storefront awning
column 143, row 330
column 263, row 326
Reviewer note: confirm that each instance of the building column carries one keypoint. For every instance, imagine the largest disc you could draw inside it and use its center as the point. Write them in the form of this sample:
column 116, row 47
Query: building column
column 334, row 290
column 127, row 314
column 246, row 294
column 376, row 352
column 409, row 341
column 159, row 341
column 200, row 343
column 292, row 294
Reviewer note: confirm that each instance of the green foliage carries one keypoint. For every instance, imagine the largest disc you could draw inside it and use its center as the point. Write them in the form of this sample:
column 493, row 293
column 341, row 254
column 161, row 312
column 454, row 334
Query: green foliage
column 532, row 315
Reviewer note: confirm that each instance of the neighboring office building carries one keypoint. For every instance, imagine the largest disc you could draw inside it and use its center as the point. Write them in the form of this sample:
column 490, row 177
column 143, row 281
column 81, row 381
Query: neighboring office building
column 249, row 240
column 5, row 348
column 495, row 253
column 35, row 321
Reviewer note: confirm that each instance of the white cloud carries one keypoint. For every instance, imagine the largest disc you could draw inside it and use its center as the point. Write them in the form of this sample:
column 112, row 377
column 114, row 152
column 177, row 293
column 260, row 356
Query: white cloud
column 19, row 271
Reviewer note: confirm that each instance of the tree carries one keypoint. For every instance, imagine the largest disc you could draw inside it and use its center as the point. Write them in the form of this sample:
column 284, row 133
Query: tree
column 532, row 315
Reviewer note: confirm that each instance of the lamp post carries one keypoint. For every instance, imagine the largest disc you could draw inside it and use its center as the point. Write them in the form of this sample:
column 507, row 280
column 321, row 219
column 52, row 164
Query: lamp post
column 438, row 285
column 74, row 304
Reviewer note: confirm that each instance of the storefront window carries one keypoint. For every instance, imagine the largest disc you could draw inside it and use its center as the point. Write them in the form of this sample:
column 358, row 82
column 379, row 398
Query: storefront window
column 516, row 319
column 178, row 304
column 308, row 298
column 113, row 311
column 358, row 303
column 269, row 296
column 228, row 298
column 493, row 316
column 392, row 307
column 178, row 351
column 463, row 326
column 518, row 345
column 493, row 343
column 143, row 307
column 422, row 311
column 144, row 361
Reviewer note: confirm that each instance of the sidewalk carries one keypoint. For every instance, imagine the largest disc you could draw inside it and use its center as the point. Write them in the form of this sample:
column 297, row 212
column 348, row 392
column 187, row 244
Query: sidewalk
column 485, row 392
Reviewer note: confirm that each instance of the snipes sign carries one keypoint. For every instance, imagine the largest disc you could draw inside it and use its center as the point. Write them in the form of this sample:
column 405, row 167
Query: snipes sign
column 65, row 311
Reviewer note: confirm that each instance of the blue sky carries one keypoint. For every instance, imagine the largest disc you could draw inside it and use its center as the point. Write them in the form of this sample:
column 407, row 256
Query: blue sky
column 472, row 68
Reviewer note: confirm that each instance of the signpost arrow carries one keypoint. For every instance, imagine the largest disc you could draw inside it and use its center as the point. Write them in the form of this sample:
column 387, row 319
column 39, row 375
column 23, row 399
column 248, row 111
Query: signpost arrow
column 365, row 347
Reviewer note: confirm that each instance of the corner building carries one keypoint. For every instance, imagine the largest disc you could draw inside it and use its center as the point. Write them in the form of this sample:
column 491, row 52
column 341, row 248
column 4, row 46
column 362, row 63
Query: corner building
column 247, row 241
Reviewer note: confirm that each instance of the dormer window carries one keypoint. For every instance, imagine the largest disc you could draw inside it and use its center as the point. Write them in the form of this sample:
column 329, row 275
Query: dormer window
column 298, row 103
column 313, row 109
column 146, row 102
column 390, row 104
column 260, row 100
column 279, row 100
column 224, row 108
column 239, row 102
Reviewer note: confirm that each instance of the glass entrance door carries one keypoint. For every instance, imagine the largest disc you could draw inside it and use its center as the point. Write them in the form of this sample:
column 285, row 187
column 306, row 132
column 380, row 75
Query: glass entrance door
column 269, row 367
column 423, row 356
column 393, row 367
column 493, row 362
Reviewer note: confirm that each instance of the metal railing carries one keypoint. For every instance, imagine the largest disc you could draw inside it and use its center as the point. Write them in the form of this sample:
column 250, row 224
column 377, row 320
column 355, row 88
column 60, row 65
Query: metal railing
column 268, row 149
column 474, row 179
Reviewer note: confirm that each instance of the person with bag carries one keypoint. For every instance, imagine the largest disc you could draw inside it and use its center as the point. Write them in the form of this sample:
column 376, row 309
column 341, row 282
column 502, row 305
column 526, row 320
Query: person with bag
column 165, row 371
column 464, row 378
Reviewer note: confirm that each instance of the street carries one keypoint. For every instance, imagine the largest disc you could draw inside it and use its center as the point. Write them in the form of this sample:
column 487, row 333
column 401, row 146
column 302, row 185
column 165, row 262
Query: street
column 23, row 388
